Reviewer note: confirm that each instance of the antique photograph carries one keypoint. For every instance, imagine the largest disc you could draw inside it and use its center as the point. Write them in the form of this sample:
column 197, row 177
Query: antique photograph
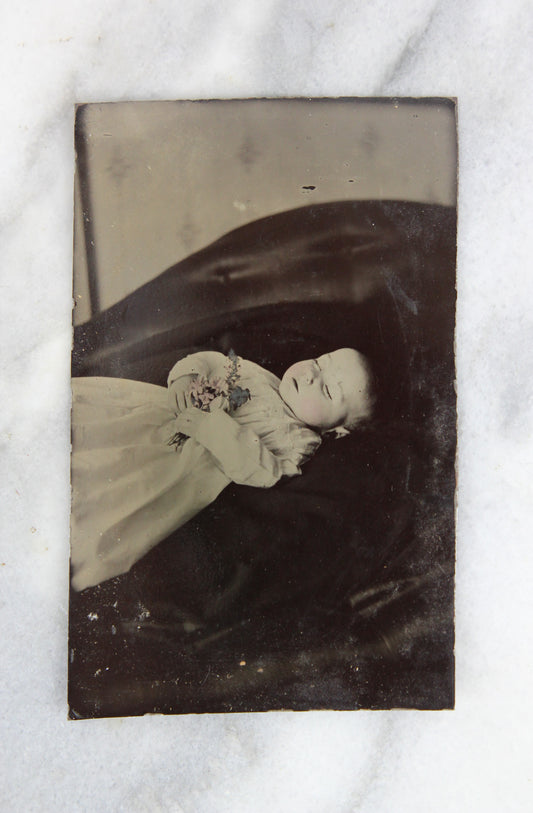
column 263, row 406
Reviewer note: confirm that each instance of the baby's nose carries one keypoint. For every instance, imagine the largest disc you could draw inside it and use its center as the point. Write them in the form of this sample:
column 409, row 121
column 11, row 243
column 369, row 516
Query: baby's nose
column 310, row 376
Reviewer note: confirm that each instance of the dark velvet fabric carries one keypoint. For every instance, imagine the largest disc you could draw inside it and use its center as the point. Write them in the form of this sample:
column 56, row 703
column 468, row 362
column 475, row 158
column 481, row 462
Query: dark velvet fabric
column 330, row 590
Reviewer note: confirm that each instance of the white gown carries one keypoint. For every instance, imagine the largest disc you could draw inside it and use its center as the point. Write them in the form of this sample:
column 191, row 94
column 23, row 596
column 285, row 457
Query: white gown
column 130, row 489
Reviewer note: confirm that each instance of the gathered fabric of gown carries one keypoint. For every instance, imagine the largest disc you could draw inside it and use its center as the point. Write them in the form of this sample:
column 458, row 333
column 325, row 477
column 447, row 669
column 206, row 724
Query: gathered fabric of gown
column 131, row 489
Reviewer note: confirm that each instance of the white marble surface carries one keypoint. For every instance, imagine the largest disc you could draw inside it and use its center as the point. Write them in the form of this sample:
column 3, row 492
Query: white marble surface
column 476, row 758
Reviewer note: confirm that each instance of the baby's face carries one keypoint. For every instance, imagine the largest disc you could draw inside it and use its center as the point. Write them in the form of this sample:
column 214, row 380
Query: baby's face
column 330, row 391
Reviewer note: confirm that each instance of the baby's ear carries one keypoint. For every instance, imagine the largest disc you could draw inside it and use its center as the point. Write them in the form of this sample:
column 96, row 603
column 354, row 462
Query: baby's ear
column 339, row 432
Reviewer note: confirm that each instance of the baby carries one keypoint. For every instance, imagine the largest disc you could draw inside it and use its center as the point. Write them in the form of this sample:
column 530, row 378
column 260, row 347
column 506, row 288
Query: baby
column 132, row 486
column 332, row 393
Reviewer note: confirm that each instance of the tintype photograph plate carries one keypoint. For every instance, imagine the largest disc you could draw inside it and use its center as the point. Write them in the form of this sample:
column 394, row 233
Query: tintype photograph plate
column 263, row 414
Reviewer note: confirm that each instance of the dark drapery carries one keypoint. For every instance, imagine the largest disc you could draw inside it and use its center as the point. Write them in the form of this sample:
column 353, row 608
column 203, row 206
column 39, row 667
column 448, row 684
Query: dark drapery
column 330, row 590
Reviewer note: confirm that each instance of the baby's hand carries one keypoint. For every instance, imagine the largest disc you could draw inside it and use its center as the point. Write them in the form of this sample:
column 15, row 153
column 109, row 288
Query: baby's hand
column 190, row 420
column 178, row 393
column 220, row 402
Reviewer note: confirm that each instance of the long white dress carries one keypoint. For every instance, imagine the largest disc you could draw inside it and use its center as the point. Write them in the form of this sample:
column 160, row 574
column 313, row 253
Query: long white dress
column 130, row 489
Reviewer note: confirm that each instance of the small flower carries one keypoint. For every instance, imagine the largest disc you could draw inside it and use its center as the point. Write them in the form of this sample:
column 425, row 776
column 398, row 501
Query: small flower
column 238, row 397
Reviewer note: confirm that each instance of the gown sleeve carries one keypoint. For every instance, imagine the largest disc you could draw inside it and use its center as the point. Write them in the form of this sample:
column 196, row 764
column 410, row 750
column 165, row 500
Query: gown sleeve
column 238, row 450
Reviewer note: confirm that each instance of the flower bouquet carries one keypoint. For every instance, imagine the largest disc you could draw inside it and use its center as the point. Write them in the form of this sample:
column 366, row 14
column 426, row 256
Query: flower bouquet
column 203, row 391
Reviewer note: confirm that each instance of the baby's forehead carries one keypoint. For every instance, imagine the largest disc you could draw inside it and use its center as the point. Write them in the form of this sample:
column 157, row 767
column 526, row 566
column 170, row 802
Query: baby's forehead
column 346, row 360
